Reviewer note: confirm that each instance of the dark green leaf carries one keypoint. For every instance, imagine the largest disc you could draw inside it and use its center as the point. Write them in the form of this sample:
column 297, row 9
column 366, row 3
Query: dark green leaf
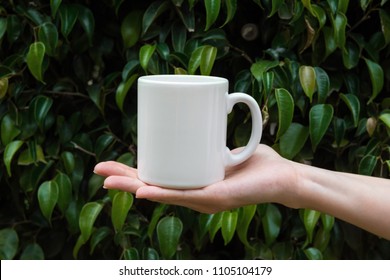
column 353, row 103
column 54, row 5
column 88, row 215
column 313, row 254
column 212, row 12
column 271, row 221
column 122, row 91
column 231, row 7
column 94, row 184
column 98, row 236
column 320, row 117
column 103, row 143
column 64, row 191
column 40, row 107
column 339, row 26
column 3, row 87
column 376, row 76
column 3, row 26
column 35, row 58
column 9, row 243
column 121, row 205
column 293, row 140
column 9, row 152
column 169, row 230
column 68, row 161
column 275, row 7
column 131, row 28
column 152, row 13
column 131, row 254
column 323, row 84
column 14, row 28
column 68, row 15
column 285, row 110
column 385, row 22
column 150, row 254
column 48, row 35
column 179, row 37
column 9, row 130
column 351, row 55
column 229, row 224
column 97, row 95
column 87, row 21
column 48, row 197
column 33, row 251
column 158, row 211
column 367, row 165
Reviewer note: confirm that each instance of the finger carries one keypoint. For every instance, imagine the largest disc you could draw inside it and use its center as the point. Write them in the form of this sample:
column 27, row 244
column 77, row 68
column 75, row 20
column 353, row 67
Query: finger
column 109, row 168
column 123, row 183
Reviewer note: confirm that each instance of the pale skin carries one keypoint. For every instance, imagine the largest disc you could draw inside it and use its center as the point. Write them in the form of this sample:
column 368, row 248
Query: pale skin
column 267, row 177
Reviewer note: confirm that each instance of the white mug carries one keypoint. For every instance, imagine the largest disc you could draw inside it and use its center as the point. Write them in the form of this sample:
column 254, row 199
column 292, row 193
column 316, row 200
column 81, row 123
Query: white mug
column 182, row 123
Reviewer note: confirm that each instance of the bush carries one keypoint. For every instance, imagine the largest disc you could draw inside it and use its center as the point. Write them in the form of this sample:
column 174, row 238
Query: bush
column 68, row 71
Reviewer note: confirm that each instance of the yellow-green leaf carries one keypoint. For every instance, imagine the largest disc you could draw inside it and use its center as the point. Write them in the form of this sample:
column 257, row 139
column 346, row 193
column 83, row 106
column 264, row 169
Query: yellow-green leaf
column 35, row 58
column 307, row 78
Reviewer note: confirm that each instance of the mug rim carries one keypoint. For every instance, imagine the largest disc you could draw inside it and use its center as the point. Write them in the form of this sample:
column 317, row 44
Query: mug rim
column 182, row 79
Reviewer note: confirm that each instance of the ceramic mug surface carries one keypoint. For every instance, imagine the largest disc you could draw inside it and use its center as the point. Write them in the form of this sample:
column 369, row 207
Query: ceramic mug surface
column 182, row 123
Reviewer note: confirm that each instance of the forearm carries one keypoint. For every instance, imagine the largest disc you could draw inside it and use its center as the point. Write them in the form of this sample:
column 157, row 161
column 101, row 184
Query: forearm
column 361, row 200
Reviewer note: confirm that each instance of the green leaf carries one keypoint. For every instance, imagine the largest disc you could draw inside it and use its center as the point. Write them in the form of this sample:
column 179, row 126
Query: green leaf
column 158, row 211
column 307, row 78
column 68, row 161
column 47, row 198
column 98, row 236
column 35, row 58
column 245, row 216
column 152, row 13
column 215, row 225
column 122, row 91
column 131, row 254
column 33, row 251
column 121, row 205
column 327, row 222
column 9, row 152
column 271, row 221
column 260, row 67
column 3, row 26
column 54, row 5
column 339, row 25
column 48, row 35
column 323, row 84
column 320, row 117
column 310, row 219
column 87, row 21
column 377, row 78
column 385, row 118
column 293, row 140
column 385, row 23
column 150, row 254
column 207, row 59
column 3, row 87
column 285, row 110
column 212, row 11
column 88, row 216
column 169, row 230
column 103, row 143
column 68, row 16
column 9, row 243
column 195, row 59
column 229, row 224
column 275, row 6
column 131, row 28
column 367, row 165
column 64, row 191
column 353, row 104
column 14, row 28
column 145, row 54
column 351, row 55
column 179, row 37
column 97, row 95
column 40, row 107
column 231, row 8
column 9, row 130
column 313, row 253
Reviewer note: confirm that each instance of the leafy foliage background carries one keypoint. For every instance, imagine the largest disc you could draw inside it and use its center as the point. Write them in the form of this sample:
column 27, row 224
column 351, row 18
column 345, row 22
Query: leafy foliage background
column 68, row 69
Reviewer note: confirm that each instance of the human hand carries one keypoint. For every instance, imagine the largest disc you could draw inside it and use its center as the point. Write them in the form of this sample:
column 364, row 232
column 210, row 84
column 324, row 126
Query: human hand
column 265, row 177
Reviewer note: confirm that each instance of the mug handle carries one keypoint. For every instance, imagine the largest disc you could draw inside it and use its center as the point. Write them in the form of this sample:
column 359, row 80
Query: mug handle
column 257, row 123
